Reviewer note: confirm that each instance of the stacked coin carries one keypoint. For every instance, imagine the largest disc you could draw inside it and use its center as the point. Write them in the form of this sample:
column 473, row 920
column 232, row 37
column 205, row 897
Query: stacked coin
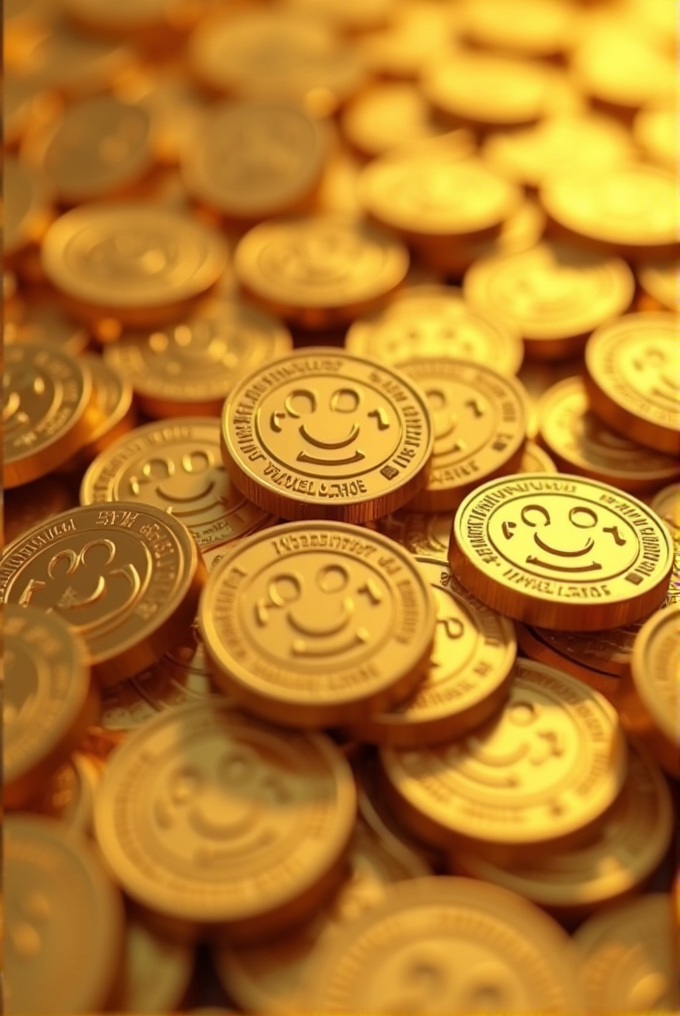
column 342, row 564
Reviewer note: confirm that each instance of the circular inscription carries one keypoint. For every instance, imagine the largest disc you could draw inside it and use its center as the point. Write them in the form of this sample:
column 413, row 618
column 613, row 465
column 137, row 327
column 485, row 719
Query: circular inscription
column 312, row 623
column 562, row 552
column 322, row 434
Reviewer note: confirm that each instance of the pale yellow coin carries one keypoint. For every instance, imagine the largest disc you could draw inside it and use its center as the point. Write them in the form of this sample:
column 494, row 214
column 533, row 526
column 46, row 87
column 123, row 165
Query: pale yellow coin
column 660, row 279
column 27, row 207
column 655, row 129
column 533, row 28
column 390, row 115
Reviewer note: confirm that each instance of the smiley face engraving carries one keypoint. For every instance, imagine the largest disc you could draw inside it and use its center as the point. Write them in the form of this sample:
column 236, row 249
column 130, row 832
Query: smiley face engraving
column 28, row 397
column 652, row 367
column 188, row 482
column 456, row 411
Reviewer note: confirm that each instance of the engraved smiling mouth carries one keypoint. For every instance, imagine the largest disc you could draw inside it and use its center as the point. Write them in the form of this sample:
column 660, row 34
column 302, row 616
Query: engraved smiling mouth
column 564, row 553
column 177, row 498
column 317, row 631
column 330, row 445
column 552, row 566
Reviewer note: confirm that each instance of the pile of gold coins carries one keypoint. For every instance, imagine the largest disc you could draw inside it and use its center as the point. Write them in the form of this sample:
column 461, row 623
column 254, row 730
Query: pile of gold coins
column 342, row 515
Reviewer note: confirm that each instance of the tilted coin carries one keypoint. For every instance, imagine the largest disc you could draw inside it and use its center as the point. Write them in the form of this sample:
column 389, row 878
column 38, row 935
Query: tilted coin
column 311, row 624
column 255, row 159
column 189, row 367
column 554, row 294
column 215, row 822
column 542, row 774
column 580, row 443
column 272, row 977
column 60, row 906
column 49, row 410
column 468, row 677
column 530, row 28
column 479, row 419
column 176, row 466
column 49, row 699
column 435, row 321
column 627, row 958
column 660, row 280
column 632, row 378
column 126, row 577
column 535, row 460
column 482, row 948
column 26, row 506
column 323, row 434
column 620, row 860
column 320, row 270
column 562, row 552
column 389, row 115
column 135, row 262
column 650, row 691
column 156, row 971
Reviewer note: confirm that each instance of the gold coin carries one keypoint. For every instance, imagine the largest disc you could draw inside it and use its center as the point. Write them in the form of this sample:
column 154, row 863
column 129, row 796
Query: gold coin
column 450, row 945
column 60, row 907
column 319, row 271
column 312, row 623
column 535, row 460
column 630, row 209
column 69, row 793
column 488, row 91
column 628, row 963
column 627, row 850
column 650, row 688
column 596, row 657
column 175, row 466
column 67, row 61
column 539, row 375
column 532, row 28
column 125, row 577
column 347, row 15
column 35, row 502
column 46, row 322
column 553, row 294
column 391, row 114
column 666, row 504
column 479, row 420
column 540, row 774
column 632, row 378
column 49, row 411
column 255, row 159
column 660, row 280
column 581, row 443
column 271, row 978
column 135, row 262
column 215, row 822
column 49, row 699
column 114, row 406
column 190, row 366
column 468, row 677
column 562, row 552
column 99, row 147
column 362, row 449
column 416, row 34
column 420, row 533
column 436, row 198
column 156, row 972
column 435, row 321
column 655, row 131
column 574, row 142
column 27, row 207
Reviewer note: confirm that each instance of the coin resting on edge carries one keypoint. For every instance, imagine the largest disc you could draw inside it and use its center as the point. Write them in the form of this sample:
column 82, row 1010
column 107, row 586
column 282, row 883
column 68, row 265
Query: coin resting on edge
column 323, row 434
column 49, row 700
column 479, row 419
column 59, row 907
column 212, row 820
column 561, row 552
column 312, row 623
column 541, row 774
column 190, row 366
column 469, row 672
column 450, row 945
column 175, row 465
column 126, row 578
column 632, row 377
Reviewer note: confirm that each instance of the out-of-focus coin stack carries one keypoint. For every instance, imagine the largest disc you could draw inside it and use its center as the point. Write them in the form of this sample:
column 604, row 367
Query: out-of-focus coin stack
column 342, row 515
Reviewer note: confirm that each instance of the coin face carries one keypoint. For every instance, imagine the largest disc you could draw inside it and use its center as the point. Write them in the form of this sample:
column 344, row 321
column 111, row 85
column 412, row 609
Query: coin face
column 581, row 443
column 48, row 700
column 210, row 817
column 554, row 294
column 320, row 270
column 629, row 209
column 544, row 771
column 128, row 258
column 627, row 957
column 561, row 552
column 510, row 957
column 479, row 419
column 175, row 466
column 323, row 434
column 436, row 321
column 189, row 367
column 631, row 376
column 256, row 159
column 126, row 578
column 48, row 412
column 313, row 623
column 59, row 906
column 390, row 115
column 468, row 676
column 627, row 849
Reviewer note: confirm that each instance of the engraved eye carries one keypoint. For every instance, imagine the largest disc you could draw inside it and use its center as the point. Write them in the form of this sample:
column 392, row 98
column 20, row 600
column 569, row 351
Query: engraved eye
column 535, row 515
column 285, row 589
column 583, row 518
column 436, row 399
column 332, row 579
column 345, row 400
column 300, row 402
column 197, row 461
column 522, row 714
